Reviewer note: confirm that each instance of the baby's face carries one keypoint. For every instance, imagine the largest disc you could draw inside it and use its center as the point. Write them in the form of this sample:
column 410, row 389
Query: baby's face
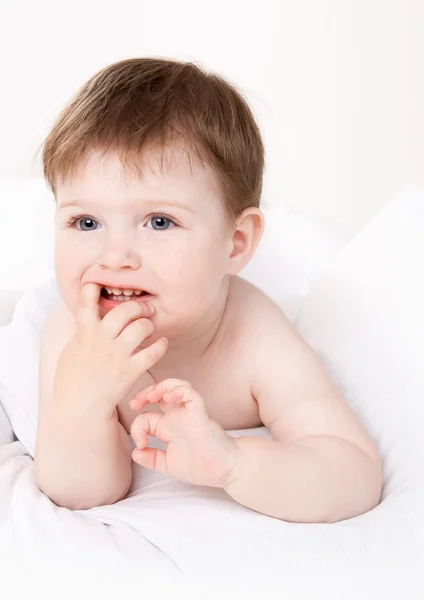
column 166, row 233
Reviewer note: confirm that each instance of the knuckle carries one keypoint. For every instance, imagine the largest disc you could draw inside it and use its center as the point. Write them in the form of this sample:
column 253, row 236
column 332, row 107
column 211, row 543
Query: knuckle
column 147, row 357
column 178, row 383
column 124, row 310
column 145, row 322
column 133, row 314
column 136, row 308
column 149, row 326
column 136, row 332
column 130, row 307
column 156, row 350
column 118, row 313
column 143, row 326
column 83, row 303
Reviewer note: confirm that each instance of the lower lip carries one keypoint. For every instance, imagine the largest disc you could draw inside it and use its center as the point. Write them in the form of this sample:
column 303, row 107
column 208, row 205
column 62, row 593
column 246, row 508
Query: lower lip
column 109, row 304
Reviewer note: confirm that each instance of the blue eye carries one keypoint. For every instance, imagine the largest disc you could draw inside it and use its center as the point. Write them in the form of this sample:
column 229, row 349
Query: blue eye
column 83, row 223
column 160, row 223
column 88, row 224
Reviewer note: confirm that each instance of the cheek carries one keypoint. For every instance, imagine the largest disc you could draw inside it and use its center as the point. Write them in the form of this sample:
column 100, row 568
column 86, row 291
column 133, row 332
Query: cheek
column 190, row 262
column 69, row 265
column 71, row 255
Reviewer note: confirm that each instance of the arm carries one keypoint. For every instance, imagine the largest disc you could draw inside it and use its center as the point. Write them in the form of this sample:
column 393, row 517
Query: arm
column 319, row 479
column 82, row 456
column 321, row 465
column 81, row 459
column 80, row 470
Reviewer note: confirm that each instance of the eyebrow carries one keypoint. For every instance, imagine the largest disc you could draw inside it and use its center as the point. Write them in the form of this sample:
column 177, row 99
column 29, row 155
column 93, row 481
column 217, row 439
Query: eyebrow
column 81, row 203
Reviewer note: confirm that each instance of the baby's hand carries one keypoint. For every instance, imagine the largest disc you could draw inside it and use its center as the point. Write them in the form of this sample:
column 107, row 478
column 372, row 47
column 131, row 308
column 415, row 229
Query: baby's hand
column 198, row 451
column 100, row 365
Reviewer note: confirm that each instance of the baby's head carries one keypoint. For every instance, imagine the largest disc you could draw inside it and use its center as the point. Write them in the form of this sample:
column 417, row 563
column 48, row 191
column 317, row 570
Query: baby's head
column 156, row 167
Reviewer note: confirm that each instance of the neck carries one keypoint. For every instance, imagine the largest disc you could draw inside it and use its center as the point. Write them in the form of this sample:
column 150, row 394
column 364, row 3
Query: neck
column 185, row 352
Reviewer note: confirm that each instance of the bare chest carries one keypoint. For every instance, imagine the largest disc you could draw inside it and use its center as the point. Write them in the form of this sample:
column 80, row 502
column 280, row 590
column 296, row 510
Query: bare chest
column 225, row 388
column 224, row 381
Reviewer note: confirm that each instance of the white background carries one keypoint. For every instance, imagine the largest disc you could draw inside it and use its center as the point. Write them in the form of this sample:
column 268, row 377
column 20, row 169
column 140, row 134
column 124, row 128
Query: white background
column 337, row 85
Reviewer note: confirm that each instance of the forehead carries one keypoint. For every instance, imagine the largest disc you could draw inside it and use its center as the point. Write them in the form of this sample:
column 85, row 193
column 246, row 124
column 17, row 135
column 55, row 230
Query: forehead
column 169, row 173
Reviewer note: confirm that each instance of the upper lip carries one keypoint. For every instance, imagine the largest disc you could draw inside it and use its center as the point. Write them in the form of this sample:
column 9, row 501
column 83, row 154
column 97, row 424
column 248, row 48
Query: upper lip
column 120, row 286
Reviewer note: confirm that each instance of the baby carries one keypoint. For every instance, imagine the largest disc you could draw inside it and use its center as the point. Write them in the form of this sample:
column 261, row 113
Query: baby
column 156, row 167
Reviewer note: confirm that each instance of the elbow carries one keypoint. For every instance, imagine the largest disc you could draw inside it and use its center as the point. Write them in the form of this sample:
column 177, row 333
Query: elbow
column 352, row 479
column 72, row 502
column 73, row 498
column 349, row 485
column 364, row 495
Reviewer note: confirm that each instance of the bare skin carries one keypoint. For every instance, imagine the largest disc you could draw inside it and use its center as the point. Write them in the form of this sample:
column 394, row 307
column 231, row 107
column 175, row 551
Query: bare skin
column 213, row 353
column 229, row 399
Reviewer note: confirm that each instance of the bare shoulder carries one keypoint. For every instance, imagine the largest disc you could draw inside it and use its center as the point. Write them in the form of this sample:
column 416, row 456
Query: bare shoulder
column 256, row 314
column 258, row 330
column 296, row 397
column 274, row 345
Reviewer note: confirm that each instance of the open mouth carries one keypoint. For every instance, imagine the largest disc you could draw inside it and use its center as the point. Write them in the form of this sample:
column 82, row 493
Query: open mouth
column 117, row 295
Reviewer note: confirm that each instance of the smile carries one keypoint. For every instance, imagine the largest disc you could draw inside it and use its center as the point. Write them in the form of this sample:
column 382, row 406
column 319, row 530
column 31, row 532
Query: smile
column 122, row 295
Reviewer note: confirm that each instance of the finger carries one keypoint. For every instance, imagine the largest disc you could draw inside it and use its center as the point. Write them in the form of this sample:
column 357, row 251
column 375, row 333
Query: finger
column 177, row 396
column 147, row 357
column 115, row 321
column 151, row 458
column 185, row 395
column 88, row 304
column 139, row 401
column 135, row 333
column 154, row 393
column 146, row 424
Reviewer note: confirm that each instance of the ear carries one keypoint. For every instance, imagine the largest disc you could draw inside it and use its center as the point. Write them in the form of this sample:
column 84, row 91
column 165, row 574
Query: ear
column 246, row 236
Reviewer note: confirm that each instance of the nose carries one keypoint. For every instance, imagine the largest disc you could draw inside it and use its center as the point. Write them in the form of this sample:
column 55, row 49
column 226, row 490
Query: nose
column 118, row 255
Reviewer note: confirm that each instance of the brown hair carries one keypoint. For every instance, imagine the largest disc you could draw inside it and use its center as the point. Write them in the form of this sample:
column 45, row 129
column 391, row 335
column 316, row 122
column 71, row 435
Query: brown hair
column 139, row 101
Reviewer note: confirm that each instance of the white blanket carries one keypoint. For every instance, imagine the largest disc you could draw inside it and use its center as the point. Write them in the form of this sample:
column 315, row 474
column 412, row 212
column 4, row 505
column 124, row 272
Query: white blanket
column 166, row 532
column 166, row 529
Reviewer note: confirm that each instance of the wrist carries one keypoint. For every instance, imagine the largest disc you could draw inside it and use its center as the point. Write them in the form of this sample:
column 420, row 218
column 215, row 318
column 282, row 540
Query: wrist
column 64, row 406
column 235, row 458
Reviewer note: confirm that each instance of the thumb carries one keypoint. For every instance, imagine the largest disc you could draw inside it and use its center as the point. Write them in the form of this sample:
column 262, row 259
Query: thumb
column 88, row 304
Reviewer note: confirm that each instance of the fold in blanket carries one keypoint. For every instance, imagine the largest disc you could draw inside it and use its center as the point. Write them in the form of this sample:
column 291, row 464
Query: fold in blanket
column 165, row 529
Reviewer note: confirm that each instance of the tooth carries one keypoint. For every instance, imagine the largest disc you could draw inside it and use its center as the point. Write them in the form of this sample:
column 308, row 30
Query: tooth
column 127, row 292
column 137, row 292
column 109, row 290
column 116, row 292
